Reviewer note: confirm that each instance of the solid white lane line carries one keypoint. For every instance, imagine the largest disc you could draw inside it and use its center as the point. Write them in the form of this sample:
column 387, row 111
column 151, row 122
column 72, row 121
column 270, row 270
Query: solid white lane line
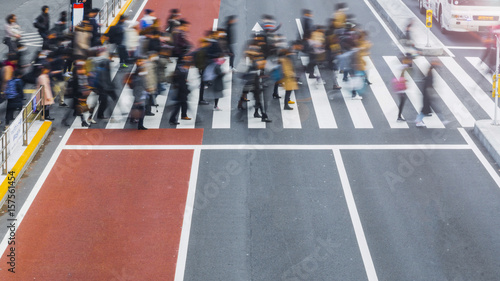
column 194, row 87
column 465, row 48
column 413, row 92
column 480, row 156
column 387, row 29
column 273, row 147
column 355, row 219
column 481, row 67
column 138, row 13
column 222, row 119
column 320, row 101
column 299, row 27
column 215, row 25
column 38, row 185
column 481, row 97
column 291, row 118
column 154, row 122
column 461, row 113
column 383, row 96
column 188, row 216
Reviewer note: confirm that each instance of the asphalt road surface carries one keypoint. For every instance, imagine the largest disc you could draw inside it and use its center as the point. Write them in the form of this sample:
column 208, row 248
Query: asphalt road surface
column 334, row 190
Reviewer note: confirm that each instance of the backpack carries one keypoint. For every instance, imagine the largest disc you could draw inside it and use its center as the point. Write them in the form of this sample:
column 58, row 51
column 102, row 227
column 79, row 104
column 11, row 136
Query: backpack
column 94, row 75
column 209, row 73
column 11, row 89
column 277, row 73
column 112, row 34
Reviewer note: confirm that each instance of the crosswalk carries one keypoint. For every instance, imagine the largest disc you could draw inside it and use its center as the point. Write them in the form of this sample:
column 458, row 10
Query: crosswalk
column 31, row 39
column 461, row 104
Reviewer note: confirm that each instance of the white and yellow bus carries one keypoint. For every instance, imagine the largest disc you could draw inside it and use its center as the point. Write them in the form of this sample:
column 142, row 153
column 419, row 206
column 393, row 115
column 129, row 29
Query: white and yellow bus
column 463, row 15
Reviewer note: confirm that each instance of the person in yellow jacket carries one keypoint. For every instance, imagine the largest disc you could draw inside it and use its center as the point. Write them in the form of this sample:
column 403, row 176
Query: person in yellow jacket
column 364, row 46
column 289, row 80
column 339, row 16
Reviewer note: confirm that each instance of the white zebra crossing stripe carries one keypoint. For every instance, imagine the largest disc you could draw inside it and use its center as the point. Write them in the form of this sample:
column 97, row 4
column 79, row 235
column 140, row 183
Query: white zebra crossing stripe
column 194, row 87
column 383, row 96
column 153, row 122
column 253, row 123
column 453, row 103
column 320, row 101
column 222, row 119
column 470, row 85
column 356, row 109
column 413, row 92
column 290, row 118
column 481, row 67
column 122, row 108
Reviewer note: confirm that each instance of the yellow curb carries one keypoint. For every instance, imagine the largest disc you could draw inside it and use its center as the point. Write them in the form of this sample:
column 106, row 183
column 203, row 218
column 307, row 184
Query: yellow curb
column 121, row 12
column 29, row 91
column 25, row 157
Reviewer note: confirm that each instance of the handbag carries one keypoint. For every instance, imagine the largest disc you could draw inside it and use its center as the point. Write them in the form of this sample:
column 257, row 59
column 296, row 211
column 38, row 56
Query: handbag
column 81, row 107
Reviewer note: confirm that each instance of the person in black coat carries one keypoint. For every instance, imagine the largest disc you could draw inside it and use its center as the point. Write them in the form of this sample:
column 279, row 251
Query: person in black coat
column 116, row 35
column 42, row 23
column 181, row 86
column 96, row 34
column 231, row 37
column 105, row 88
column 307, row 23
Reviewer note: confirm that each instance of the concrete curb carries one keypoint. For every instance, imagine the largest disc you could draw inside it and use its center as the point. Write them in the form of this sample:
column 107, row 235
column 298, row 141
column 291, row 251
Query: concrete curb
column 489, row 136
column 25, row 160
column 400, row 31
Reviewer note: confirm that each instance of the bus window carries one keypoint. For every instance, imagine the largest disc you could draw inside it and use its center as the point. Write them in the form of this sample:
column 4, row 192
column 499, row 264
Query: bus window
column 490, row 3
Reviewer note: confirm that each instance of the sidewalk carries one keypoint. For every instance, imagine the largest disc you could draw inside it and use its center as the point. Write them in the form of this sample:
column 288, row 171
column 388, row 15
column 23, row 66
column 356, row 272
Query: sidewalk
column 398, row 15
column 489, row 135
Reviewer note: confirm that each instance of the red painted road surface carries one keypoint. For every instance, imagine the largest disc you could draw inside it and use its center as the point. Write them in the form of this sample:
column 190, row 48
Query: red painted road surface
column 107, row 214
column 130, row 137
column 200, row 13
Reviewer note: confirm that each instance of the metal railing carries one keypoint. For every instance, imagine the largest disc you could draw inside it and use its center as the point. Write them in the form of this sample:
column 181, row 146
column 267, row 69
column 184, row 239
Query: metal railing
column 32, row 111
column 111, row 7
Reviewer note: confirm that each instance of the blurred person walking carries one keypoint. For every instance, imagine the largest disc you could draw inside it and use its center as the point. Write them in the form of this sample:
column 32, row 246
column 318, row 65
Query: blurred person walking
column 137, row 81
column 44, row 80
column 231, row 38
column 427, row 96
column 116, row 35
column 289, row 78
column 12, row 33
column 14, row 95
column 182, row 90
column 216, row 85
column 42, row 23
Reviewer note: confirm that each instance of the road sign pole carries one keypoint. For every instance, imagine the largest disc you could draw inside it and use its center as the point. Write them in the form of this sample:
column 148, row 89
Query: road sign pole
column 428, row 31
